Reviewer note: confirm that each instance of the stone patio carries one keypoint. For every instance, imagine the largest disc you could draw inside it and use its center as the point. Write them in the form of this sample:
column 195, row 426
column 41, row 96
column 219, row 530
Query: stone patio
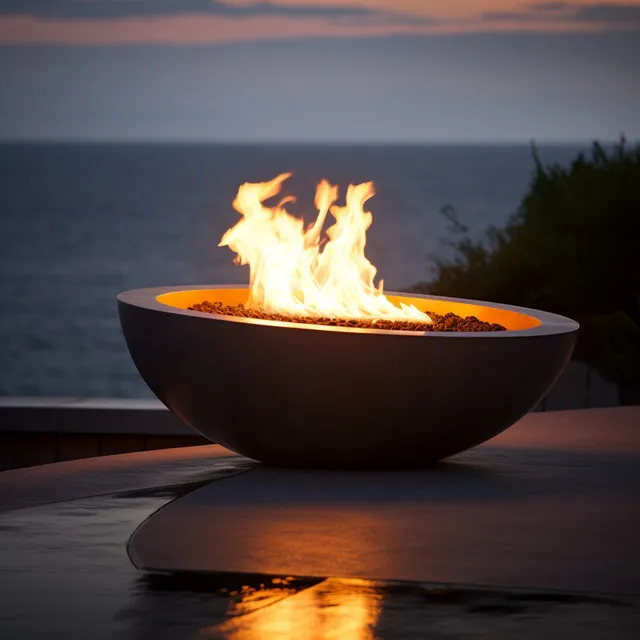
column 533, row 534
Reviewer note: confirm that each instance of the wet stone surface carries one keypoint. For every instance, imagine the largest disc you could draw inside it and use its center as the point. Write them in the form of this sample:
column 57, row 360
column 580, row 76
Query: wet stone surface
column 65, row 573
column 448, row 322
column 66, row 568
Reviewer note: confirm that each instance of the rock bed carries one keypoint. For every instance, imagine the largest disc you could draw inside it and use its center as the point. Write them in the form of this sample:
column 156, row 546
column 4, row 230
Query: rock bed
column 447, row 322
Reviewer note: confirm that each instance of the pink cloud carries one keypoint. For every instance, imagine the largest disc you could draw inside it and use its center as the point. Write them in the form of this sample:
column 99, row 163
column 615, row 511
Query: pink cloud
column 172, row 30
column 204, row 28
column 185, row 30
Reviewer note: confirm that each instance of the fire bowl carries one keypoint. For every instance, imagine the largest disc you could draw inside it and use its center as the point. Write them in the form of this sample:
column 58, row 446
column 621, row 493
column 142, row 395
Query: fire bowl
column 301, row 395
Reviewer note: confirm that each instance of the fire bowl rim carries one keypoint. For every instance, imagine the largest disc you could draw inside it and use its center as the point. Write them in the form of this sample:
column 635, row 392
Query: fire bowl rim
column 550, row 323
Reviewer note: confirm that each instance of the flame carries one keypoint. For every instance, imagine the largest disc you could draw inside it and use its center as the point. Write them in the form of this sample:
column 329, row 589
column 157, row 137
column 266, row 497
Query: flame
column 291, row 275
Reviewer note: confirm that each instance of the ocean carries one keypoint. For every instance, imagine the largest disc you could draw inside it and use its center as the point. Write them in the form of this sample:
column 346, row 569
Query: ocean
column 81, row 222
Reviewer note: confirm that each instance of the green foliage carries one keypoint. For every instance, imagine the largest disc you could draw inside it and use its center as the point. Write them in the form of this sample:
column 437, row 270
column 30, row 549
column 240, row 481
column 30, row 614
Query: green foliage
column 573, row 247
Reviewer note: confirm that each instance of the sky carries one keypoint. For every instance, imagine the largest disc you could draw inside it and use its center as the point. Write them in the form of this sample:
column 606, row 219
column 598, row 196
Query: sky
column 407, row 71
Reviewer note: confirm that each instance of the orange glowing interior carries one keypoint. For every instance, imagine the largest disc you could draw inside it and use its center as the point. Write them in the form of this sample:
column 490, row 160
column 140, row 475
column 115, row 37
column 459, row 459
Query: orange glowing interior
column 512, row 320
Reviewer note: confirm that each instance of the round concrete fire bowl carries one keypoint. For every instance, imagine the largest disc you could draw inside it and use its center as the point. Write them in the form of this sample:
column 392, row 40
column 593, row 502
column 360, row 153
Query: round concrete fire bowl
column 302, row 395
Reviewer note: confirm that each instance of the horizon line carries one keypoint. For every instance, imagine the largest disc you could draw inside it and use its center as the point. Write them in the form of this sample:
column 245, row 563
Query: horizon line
column 317, row 143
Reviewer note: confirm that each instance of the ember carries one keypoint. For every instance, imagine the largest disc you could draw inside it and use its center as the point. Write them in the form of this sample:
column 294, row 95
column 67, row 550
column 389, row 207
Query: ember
column 447, row 322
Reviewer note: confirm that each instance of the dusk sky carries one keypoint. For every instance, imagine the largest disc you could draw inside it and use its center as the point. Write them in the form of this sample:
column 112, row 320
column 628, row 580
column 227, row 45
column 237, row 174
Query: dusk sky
column 324, row 70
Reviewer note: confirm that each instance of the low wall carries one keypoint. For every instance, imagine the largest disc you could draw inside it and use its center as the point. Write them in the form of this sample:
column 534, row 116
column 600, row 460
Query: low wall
column 579, row 387
column 40, row 430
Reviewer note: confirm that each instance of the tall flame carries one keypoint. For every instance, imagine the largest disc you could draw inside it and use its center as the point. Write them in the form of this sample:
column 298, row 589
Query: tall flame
column 291, row 275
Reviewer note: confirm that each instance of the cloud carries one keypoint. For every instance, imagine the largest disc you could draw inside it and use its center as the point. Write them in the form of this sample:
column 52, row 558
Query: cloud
column 118, row 9
column 548, row 12
column 609, row 12
column 601, row 14
column 94, row 22
column 549, row 6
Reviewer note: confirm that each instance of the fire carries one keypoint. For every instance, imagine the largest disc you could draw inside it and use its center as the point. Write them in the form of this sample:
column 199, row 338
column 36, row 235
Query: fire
column 294, row 271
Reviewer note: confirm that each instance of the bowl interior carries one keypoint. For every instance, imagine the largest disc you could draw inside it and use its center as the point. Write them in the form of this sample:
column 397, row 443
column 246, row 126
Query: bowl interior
column 512, row 320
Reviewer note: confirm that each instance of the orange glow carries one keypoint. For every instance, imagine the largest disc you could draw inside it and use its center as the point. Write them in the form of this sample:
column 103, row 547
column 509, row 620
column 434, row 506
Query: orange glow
column 332, row 610
column 463, row 16
column 290, row 273
column 512, row 320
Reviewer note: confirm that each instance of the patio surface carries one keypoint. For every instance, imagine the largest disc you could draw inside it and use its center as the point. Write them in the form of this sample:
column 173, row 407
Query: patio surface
column 532, row 534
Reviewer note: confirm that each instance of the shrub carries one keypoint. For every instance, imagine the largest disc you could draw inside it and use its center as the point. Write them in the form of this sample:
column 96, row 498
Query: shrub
column 573, row 247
